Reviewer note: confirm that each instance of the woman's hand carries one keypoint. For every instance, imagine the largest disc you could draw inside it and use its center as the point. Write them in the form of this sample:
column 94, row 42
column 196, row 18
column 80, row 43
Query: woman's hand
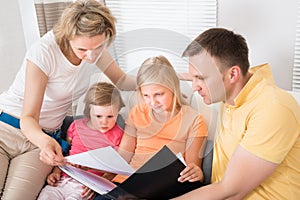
column 88, row 193
column 51, row 152
column 79, row 166
column 191, row 173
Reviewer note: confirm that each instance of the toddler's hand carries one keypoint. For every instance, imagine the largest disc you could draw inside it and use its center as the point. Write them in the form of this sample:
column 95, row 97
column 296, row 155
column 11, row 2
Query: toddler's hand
column 53, row 178
column 88, row 193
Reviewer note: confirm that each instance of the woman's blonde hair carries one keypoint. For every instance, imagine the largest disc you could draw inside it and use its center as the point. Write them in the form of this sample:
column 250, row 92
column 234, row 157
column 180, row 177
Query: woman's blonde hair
column 102, row 94
column 158, row 70
column 84, row 18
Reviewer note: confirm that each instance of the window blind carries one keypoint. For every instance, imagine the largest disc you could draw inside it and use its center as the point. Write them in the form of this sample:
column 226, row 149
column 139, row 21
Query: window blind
column 159, row 27
column 48, row 12
column 296, row 69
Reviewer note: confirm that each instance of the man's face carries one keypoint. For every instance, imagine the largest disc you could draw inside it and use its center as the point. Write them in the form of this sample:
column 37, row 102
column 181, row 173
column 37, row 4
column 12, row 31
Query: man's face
column 207, row 78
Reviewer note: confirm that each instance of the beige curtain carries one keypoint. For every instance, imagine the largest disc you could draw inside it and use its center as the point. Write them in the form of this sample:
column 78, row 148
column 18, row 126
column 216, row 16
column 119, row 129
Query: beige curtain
column 48, row 12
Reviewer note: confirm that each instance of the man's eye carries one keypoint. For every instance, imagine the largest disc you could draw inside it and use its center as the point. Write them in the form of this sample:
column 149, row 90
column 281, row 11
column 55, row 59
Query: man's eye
column 199, row 78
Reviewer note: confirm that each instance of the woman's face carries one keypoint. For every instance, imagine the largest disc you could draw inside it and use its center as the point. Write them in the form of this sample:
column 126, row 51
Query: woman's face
column 89, row 48
column 160, row 98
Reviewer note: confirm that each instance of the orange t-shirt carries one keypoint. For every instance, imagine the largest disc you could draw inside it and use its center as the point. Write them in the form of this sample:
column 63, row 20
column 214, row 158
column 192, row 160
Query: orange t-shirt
column 152, row 135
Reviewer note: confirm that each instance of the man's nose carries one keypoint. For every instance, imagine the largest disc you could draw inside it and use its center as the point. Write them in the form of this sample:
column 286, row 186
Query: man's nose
column 196, row 86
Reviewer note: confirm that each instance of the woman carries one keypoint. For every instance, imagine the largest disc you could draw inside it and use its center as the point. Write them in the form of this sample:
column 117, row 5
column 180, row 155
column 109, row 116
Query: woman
column 55, row 72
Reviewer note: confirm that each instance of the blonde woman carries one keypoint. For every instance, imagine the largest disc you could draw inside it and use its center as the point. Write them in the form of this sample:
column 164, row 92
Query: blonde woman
column 55, row 72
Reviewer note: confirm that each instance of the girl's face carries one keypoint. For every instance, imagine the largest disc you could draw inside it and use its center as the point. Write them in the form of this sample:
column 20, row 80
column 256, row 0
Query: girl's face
column 89, row 48
column 103, row 118
column 160, row 98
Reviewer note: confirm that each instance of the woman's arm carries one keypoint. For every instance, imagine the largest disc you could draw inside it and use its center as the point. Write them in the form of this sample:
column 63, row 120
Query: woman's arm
column 184, row 76
column 112, row 70
column 127, row 145
column 35, row 85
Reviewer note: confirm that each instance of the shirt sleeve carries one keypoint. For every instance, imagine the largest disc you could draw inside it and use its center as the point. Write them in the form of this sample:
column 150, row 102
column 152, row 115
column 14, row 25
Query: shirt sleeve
column 71, row 130
column 41, row 55
column 271, row 132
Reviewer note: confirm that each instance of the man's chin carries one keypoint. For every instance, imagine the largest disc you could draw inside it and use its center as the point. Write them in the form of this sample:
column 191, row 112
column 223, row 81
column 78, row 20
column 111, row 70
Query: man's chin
column 207, row 101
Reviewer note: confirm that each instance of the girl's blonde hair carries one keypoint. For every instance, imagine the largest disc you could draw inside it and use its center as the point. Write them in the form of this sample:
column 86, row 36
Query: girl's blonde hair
column 158, row 70
column 102, row 94
column 84, row 18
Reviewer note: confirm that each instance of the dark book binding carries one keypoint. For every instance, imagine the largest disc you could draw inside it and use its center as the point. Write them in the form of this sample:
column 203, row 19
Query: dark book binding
column 156, row 179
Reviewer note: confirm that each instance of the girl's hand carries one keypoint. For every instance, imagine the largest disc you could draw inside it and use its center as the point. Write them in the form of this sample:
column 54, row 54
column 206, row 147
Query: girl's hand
column 88, row 193
column 191, row 173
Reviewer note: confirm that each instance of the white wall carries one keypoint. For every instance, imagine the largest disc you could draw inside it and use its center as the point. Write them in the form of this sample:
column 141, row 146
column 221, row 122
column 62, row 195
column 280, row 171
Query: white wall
column 12, row 44
column 269, row 26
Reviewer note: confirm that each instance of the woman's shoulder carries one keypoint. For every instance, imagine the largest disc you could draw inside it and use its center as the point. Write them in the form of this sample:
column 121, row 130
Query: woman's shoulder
column 45, row 43
column 44, row 52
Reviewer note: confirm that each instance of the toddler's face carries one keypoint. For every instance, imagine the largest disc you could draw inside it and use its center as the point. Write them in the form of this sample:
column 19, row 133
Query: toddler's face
column 103, row 118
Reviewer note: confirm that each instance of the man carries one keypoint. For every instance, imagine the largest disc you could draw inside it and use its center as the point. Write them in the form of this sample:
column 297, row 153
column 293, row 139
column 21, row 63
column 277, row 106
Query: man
column 257, row 144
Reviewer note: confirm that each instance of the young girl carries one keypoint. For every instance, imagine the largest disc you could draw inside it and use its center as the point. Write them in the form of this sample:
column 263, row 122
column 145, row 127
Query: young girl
column 163, row 118
column 98, row 129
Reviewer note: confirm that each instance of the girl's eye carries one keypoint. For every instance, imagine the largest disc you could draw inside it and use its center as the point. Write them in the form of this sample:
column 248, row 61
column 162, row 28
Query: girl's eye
column 98, row 116
column 110, row 116
column 83, row 50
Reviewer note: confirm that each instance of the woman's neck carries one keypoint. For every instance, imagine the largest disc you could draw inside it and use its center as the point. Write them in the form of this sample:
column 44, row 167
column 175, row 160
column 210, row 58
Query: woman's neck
column 72, row 58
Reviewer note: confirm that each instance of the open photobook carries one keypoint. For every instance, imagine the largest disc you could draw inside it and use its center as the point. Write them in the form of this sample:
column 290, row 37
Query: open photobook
column 156, row 179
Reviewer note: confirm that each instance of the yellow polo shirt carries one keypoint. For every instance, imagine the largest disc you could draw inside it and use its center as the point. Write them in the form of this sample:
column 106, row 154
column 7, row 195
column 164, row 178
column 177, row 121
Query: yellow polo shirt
column 265, row 121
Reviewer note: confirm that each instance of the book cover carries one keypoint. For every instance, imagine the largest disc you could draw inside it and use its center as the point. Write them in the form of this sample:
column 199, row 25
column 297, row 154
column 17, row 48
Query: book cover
column 156, row 179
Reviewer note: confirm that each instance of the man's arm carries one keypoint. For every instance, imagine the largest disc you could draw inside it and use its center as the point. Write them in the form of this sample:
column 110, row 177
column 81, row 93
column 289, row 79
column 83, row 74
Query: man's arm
column 244, row 172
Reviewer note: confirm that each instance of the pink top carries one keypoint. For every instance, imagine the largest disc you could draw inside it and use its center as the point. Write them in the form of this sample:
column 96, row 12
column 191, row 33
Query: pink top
column 85, row 138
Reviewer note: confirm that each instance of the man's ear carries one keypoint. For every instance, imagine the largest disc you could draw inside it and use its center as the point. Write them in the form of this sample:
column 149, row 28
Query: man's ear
column 234, row 73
